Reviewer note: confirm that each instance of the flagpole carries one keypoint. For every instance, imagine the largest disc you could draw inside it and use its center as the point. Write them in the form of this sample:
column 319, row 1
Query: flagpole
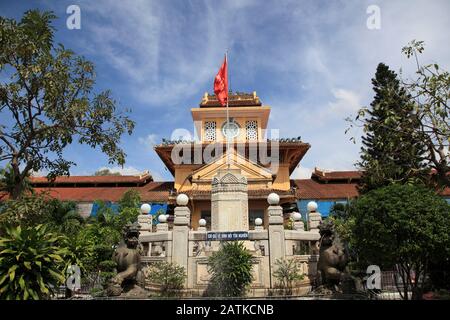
column 228, row 114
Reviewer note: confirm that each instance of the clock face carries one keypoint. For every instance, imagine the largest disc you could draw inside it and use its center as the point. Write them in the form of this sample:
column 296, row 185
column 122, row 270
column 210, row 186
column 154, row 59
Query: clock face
column 230, row 130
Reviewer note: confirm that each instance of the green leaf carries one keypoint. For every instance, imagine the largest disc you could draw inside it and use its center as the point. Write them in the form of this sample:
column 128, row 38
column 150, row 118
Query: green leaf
column 12, row 275
column 33, row 294
column 7, row 251
column 25, row 294
column 22, row 282
column 3, row 278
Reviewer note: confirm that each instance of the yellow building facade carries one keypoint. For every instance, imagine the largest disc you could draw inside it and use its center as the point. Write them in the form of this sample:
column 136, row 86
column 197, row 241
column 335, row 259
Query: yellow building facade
column 240, row 143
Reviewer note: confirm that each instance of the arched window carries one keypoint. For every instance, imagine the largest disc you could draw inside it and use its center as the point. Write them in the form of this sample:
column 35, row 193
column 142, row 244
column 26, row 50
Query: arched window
column 251, row 128
column 210, row 130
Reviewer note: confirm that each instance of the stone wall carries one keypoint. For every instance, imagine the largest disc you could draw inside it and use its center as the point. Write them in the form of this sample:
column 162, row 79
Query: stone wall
column 190, row 249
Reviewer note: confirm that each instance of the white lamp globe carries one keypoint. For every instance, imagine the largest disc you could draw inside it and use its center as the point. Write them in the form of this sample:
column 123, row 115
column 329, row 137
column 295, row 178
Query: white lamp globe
column 258, row 221
column 273, row 199
column 312, row 206
column 162, row 218
column 202, row 222
column 145, row 208
column 297, row 216
column 182, row 199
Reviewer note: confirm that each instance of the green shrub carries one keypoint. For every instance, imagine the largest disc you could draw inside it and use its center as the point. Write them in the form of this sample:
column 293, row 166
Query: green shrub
column 230, row 269
column 31, row 263
column 286, row 273
column 169, row 276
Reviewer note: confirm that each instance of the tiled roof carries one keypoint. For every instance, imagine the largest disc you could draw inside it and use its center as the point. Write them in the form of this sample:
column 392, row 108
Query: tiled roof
column 161, row 191
column 323, row 175
column 143, row 178
column 152, row 191
column 282, row 141
column 311, row 189
column 238, row 99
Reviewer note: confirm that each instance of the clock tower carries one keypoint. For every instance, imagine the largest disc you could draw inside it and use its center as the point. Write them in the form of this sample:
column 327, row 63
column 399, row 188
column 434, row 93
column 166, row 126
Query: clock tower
column 240, row 147
column 248, row 119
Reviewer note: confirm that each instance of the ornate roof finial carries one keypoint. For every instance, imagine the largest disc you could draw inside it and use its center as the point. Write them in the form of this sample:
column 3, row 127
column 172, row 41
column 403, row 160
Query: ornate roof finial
column 205, row 97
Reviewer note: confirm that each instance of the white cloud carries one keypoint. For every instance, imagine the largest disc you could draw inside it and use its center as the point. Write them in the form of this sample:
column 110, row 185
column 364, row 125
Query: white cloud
column 346, row 101
column 149, row 141
column 125, row 171
column 137, row 33
column 302, row 173
column 320, row 59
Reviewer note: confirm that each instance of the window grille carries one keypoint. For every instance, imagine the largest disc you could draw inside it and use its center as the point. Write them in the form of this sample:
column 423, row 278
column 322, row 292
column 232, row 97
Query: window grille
column 210, row 131
column 251, row 128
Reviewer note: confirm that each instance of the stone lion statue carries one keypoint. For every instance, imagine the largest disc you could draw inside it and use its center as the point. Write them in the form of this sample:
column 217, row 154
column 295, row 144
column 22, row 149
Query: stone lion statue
column 333, row 257
column 127, row 257
column 333, row 275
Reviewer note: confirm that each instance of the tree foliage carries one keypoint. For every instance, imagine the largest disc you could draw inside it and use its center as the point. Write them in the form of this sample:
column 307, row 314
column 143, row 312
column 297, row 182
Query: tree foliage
column 230, row 269
column 31, row 263
column 431, row 93
column 400, row 226
column 8, row 181
column 30, row 210
column 407, row 120
column 62, row 216
column 50, row 101
column 393, row 148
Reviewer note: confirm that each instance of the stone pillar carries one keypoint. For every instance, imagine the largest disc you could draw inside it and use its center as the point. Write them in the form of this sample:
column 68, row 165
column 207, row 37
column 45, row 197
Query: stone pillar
column 298, row 223
column 180, row 233
column 162, row 226
column 229, row 201
column 299, row 226
column 145, row 221
column 276, row 233
column 314, row 217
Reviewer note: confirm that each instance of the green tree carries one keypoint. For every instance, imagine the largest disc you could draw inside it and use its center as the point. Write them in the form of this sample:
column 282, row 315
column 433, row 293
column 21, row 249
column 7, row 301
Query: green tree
column 63, row 217
column 431, row 93
column 30, row 210
column 393, row 148
column 31, row 263
column 403, row 227
column 8, row 181
column 129, row 207
column 340, row 210
column 230, row 269
column 51, row 101
column 98, row 241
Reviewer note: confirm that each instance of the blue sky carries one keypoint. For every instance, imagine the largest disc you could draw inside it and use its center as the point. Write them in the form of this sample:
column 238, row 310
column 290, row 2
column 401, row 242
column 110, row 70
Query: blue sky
column 311, row 61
